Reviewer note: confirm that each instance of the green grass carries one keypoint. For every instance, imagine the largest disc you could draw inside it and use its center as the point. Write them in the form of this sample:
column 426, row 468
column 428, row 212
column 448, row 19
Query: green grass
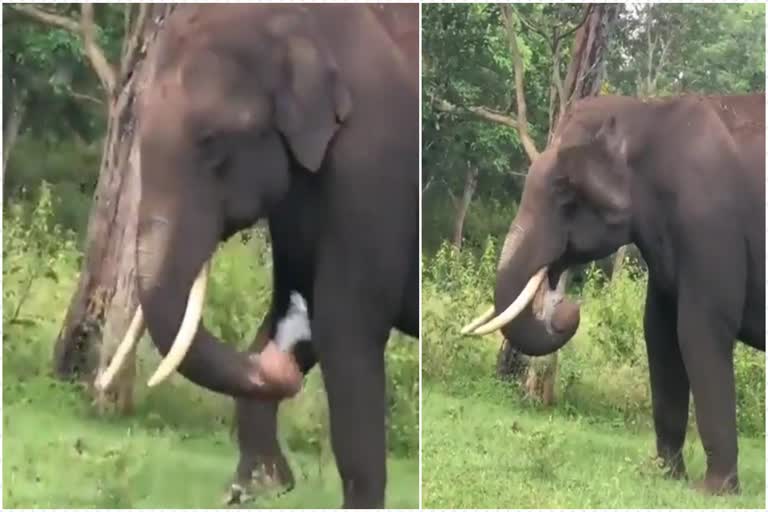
column 58, row 453
column 486, row 449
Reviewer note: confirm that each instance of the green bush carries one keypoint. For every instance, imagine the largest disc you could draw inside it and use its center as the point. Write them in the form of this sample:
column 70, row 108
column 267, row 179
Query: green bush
column 455, row 288
column 35, row 248
column 617, row 309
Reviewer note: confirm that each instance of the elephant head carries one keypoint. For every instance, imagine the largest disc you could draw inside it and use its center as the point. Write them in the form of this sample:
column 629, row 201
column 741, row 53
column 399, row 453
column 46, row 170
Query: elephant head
column 575, row 208
column 226, row 123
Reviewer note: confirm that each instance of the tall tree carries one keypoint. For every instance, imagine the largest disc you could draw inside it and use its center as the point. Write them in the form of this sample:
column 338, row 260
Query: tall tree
column 100, row 310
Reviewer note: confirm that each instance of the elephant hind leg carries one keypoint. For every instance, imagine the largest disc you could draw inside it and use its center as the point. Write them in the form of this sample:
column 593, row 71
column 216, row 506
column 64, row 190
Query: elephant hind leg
column 708, row 321
column 670, row 390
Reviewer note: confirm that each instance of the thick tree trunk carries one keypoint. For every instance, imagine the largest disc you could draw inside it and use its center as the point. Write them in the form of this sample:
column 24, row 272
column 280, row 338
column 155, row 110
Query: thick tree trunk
column 105, row 298
column 584, row 77
column 587, row 66
column 470, row 184
column 12, row 128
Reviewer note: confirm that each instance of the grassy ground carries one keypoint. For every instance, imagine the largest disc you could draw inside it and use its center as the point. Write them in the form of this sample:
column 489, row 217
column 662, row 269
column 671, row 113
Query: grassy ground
column 485, row 448
column 59, row 454
column 485, row 445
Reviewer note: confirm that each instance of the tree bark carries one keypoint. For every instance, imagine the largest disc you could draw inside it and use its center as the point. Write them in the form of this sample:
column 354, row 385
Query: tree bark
column 470, row 184
column 105, row 299
column 587, row 66
column 12, row 128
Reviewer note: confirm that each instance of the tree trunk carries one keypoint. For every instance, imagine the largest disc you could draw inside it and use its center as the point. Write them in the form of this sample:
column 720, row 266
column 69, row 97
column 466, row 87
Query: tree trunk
column 584, row 77
column 105, row 299
column 12, row 127
column 587, row 66
column 470, row 184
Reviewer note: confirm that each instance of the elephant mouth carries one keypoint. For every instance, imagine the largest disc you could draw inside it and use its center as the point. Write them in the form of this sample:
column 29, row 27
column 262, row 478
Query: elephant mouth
column 545, row 293
column 551, row 304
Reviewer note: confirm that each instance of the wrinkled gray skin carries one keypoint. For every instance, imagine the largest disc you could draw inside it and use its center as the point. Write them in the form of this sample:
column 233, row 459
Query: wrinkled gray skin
column 683, row 179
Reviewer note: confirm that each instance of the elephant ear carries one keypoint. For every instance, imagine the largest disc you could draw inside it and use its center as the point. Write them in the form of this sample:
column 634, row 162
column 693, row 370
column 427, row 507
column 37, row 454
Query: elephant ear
column 311, row 103
column 598, row 171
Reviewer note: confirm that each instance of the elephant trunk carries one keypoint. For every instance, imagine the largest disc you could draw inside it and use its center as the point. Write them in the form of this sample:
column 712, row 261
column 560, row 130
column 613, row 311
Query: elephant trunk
column 547, row 319
column 172, row 261
column 536, row 319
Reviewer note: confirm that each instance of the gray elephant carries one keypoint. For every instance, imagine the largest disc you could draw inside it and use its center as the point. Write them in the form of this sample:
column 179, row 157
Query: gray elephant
column 683, row 179
column 308, row 116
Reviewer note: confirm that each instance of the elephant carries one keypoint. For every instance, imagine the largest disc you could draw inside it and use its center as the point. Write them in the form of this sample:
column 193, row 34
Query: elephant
column 683, row 179
column 306, row 116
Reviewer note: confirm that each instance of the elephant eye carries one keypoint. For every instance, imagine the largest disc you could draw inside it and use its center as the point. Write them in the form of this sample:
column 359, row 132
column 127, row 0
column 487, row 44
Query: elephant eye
column 213, row 154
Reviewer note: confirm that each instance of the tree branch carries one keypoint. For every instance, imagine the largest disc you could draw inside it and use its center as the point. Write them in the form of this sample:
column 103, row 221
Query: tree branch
column 131, row 42
column 522, row 109
column 99, row 62
column 126, row 27
column 663, row 56
column 84, row 97
column 557, row 79
column 484, row 113
column 530, row 24
column 48, row 18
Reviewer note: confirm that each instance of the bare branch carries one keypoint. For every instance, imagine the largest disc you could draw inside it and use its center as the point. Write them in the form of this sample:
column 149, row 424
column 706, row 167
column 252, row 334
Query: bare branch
column 530, row 24
column 663, row 57
column 99, row 62
column 428, row 184
column 48, row 18
column 557, row 80
column 84, row 97
column 522, row 109
column 484, row 113
column 126, row 27
column 131, row 42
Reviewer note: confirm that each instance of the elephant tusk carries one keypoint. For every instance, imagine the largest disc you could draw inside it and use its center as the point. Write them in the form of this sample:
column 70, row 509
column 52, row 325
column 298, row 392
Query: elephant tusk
column 477, row 322
column 187, row 331
column 130, row 340
column 516, row 307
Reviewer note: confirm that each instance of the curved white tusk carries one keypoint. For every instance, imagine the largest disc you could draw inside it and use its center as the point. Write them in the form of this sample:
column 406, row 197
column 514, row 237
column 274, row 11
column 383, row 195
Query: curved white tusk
column 187, row 331
column 477, row 322
column 130, row 340
column 517, row 305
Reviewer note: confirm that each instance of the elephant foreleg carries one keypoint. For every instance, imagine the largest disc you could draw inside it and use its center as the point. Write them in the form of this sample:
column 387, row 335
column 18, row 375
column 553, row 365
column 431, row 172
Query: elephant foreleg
column 262, row 462
column 350, row 336
column 670, row 390
column 707, row 327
